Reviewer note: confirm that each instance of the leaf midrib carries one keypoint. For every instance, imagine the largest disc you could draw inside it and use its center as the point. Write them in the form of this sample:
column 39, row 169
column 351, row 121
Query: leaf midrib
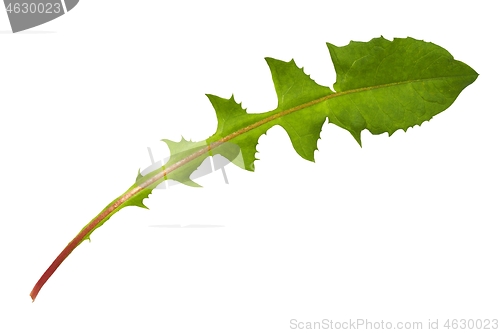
column 277, row 115
column 162, row 172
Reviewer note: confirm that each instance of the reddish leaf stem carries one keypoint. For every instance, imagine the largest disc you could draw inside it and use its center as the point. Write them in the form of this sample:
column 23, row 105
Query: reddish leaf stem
column 85, row 232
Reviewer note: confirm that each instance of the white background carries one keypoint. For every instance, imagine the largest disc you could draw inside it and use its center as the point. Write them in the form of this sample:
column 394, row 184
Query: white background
column 403, row 229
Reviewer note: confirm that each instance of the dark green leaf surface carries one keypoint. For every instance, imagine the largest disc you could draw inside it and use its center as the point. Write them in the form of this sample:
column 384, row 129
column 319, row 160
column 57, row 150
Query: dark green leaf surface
column 381, row 86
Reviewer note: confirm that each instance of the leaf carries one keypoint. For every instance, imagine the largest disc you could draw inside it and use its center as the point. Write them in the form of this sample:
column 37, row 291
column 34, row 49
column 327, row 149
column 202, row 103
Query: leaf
column 381, row 86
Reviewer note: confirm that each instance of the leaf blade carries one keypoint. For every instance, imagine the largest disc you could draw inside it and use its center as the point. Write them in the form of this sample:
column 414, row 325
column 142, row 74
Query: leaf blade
column 381, row 86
